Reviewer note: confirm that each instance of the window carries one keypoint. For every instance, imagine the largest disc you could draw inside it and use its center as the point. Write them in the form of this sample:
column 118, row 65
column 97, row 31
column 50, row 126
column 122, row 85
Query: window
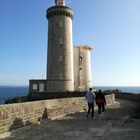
column 80, row 58
column 34, row 86
column 41, row 87
column 60, row 58
column 60, row 41
column 60, row 24
column 60, row 75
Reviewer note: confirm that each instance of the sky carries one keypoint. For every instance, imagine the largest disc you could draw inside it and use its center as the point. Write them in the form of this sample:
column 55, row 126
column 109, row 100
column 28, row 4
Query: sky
column 111, row 26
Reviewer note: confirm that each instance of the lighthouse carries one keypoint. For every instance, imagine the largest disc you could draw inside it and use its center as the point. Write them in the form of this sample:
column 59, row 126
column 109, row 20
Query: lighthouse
column 60, row 72
column 68, row 67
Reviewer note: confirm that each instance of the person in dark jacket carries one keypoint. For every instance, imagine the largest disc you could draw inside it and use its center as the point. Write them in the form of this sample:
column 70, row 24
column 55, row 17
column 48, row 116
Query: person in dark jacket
column 101, row 102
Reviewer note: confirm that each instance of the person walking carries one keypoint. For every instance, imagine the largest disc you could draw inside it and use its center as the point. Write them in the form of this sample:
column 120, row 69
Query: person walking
column 90, row 97
column 101, row 102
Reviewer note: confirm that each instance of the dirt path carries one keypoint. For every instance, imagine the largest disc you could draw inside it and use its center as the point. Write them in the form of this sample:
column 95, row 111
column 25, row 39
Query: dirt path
column 116, row 125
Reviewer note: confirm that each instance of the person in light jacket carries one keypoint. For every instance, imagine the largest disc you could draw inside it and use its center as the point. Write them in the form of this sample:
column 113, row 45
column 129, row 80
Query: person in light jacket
column 90, row 97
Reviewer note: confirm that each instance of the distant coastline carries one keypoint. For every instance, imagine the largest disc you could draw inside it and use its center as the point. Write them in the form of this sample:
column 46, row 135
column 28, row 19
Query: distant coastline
column 7, row 92
column 129, row 89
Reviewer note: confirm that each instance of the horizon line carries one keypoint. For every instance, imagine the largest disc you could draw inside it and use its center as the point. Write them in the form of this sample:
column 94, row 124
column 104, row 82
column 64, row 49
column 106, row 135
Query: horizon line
column 92, row 86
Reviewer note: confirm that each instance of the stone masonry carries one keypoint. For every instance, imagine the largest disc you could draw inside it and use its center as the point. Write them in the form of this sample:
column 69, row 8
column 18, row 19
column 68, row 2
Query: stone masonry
column 17, row 115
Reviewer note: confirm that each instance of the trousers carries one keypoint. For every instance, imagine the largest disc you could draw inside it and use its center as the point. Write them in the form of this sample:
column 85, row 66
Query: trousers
column 90, row 107
column 101, row 108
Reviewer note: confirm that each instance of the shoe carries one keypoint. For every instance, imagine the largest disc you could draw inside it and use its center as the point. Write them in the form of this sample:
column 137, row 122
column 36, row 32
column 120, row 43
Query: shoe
column 93, row 117
column 102, row 115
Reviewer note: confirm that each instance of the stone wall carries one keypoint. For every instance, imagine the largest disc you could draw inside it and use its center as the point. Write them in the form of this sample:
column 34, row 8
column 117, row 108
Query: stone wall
column 17, row 115
column 128, row 96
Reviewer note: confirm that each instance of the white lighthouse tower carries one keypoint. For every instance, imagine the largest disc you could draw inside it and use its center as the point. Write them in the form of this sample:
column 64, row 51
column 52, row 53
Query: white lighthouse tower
column 60, row 73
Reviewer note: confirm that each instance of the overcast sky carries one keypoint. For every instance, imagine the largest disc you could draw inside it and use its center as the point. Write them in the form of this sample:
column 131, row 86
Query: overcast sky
column 111, row 26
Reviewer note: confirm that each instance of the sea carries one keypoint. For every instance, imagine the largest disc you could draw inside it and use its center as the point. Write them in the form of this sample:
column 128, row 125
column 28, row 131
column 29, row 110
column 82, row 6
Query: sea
column 8, row 92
